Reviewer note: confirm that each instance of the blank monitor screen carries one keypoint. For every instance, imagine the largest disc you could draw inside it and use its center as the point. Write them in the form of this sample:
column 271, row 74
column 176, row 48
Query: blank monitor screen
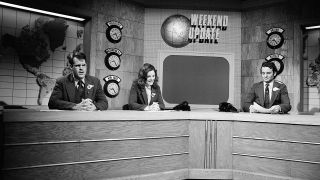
column 197, row 79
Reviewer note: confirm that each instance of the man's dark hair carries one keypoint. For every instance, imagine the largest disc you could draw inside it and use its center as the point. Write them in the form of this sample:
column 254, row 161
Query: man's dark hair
column 270, row 65
column 78, row 55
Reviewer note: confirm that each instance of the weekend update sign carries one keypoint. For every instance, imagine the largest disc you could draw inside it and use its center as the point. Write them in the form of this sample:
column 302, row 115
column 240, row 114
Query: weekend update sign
column 206, row 28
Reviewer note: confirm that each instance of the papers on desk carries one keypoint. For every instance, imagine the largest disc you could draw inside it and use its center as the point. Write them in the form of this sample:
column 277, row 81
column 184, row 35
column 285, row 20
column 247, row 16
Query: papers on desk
column 162, row 111
column 50, row 110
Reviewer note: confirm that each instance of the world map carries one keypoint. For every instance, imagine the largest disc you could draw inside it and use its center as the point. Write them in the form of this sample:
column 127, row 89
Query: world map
column 33, row 47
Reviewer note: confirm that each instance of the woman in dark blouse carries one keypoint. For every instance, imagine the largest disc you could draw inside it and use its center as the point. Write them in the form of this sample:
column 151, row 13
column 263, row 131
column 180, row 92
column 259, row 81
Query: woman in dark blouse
column 145, row 93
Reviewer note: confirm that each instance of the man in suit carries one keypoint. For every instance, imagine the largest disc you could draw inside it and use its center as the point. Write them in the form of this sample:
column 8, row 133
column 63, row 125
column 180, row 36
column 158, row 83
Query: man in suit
column 269, row 95
column 78, row 91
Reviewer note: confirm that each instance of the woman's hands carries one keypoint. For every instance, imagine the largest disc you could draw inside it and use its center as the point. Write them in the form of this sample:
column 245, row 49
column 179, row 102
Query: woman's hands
column 153, row 107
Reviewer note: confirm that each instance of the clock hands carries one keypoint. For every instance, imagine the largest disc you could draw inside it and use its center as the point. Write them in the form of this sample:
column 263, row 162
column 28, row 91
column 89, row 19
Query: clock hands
column 114, row 91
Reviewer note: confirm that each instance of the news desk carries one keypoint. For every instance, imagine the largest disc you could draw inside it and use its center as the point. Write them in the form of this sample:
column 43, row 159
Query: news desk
column 123, row 145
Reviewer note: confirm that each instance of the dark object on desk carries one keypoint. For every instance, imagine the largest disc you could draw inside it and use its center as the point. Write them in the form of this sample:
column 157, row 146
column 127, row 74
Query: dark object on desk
column 184, row 106
column 227, row 107
column 14, row 107
column 126, row 107
column 7, row 106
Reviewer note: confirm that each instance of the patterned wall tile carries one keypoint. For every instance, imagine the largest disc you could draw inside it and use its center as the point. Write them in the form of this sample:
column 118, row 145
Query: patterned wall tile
column 6, row 92
column 128, row 28
column 32, row 101
column 126, row 63
column 6, row 72
column 152, row 32
column 21, row 86
column 19, row 93
column 6, row 85
column 152, row 17
column 7, row 100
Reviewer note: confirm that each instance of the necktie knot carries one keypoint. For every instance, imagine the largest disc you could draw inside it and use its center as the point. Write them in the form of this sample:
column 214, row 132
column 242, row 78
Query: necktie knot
column 80, row 84
column 267, row 85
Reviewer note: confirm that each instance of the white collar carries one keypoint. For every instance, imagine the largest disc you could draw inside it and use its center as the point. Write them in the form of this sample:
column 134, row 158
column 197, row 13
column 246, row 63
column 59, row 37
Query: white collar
column 270, row 84
column 76, row 81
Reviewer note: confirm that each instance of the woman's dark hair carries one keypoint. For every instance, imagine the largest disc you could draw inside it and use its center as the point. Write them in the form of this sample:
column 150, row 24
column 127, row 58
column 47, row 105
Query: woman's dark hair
column 270, row 65
column 78, row 55
column 143, row 74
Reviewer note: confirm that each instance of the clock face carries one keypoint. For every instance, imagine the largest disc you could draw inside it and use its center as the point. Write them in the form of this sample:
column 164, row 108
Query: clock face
column 115, row 33
column 112, row 61
column 113, row 89
column 275, row 40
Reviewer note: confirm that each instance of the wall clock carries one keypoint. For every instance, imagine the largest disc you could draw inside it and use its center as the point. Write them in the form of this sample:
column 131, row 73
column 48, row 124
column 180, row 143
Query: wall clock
column 113, row 31
column 112, row 59
column 277, row 60
column 111, row 87
column 275, row 38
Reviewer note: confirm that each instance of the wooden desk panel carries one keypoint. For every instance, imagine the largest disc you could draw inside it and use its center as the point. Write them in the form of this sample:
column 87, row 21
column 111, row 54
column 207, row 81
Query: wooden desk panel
column 110, row 144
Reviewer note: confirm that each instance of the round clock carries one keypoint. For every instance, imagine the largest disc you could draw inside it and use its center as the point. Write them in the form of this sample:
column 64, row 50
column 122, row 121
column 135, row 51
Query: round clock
column 115, row 34
column 275, row 38
column 113, row 31
column 112, row 59
column 111, row 87
column 277, row 60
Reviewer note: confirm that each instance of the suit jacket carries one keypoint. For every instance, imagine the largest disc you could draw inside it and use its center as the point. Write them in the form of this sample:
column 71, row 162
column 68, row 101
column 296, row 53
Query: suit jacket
column 63, row 94
column 138, row 99
column 279, row 96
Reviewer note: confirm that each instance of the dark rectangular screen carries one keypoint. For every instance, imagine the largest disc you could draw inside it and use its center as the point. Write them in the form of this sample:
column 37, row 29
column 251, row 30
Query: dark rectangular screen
column 197, row 79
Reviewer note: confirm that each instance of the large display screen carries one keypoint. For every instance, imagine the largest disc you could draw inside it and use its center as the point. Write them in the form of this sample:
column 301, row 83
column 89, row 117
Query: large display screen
column 204, row 80
column 196, row 79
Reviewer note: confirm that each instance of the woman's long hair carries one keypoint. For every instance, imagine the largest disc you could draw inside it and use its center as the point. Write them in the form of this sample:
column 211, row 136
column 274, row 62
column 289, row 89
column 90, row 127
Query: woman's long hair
column 143, row 74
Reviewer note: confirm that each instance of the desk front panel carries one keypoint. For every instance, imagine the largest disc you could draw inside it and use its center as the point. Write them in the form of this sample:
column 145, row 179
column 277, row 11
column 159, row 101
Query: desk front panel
column 93, row 149
column 277, row 149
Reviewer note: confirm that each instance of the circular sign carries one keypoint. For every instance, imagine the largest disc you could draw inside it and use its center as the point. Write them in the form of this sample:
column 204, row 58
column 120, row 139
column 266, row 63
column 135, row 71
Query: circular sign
column 277, row 60
column 113, row 31
column 275, row 38
column 111, row 87
column 112, row 59
column 175, row 31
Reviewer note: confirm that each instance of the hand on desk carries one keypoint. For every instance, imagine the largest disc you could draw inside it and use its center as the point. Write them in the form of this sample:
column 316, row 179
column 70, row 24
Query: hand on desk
column 256, row 108
column 275, row 109
column 85, row 105
column 153, row 107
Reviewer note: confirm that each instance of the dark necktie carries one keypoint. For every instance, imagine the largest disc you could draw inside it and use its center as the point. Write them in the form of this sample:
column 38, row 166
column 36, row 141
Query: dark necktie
column 266, row 96
column 79, row 92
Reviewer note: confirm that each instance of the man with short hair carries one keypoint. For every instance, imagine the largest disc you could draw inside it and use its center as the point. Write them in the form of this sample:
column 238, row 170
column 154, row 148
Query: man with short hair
column 269, row 95
column 78, row 91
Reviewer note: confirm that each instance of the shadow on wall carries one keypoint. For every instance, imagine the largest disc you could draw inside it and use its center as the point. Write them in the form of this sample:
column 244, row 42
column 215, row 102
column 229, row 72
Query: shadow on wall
column 314, row 110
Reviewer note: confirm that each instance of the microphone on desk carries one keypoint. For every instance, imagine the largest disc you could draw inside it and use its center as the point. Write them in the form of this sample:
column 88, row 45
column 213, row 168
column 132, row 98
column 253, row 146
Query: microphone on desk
column 227, row 107
column 184, row 106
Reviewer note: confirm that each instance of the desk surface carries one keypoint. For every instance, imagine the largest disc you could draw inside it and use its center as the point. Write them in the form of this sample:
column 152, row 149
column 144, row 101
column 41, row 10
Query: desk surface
column 116, row 115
